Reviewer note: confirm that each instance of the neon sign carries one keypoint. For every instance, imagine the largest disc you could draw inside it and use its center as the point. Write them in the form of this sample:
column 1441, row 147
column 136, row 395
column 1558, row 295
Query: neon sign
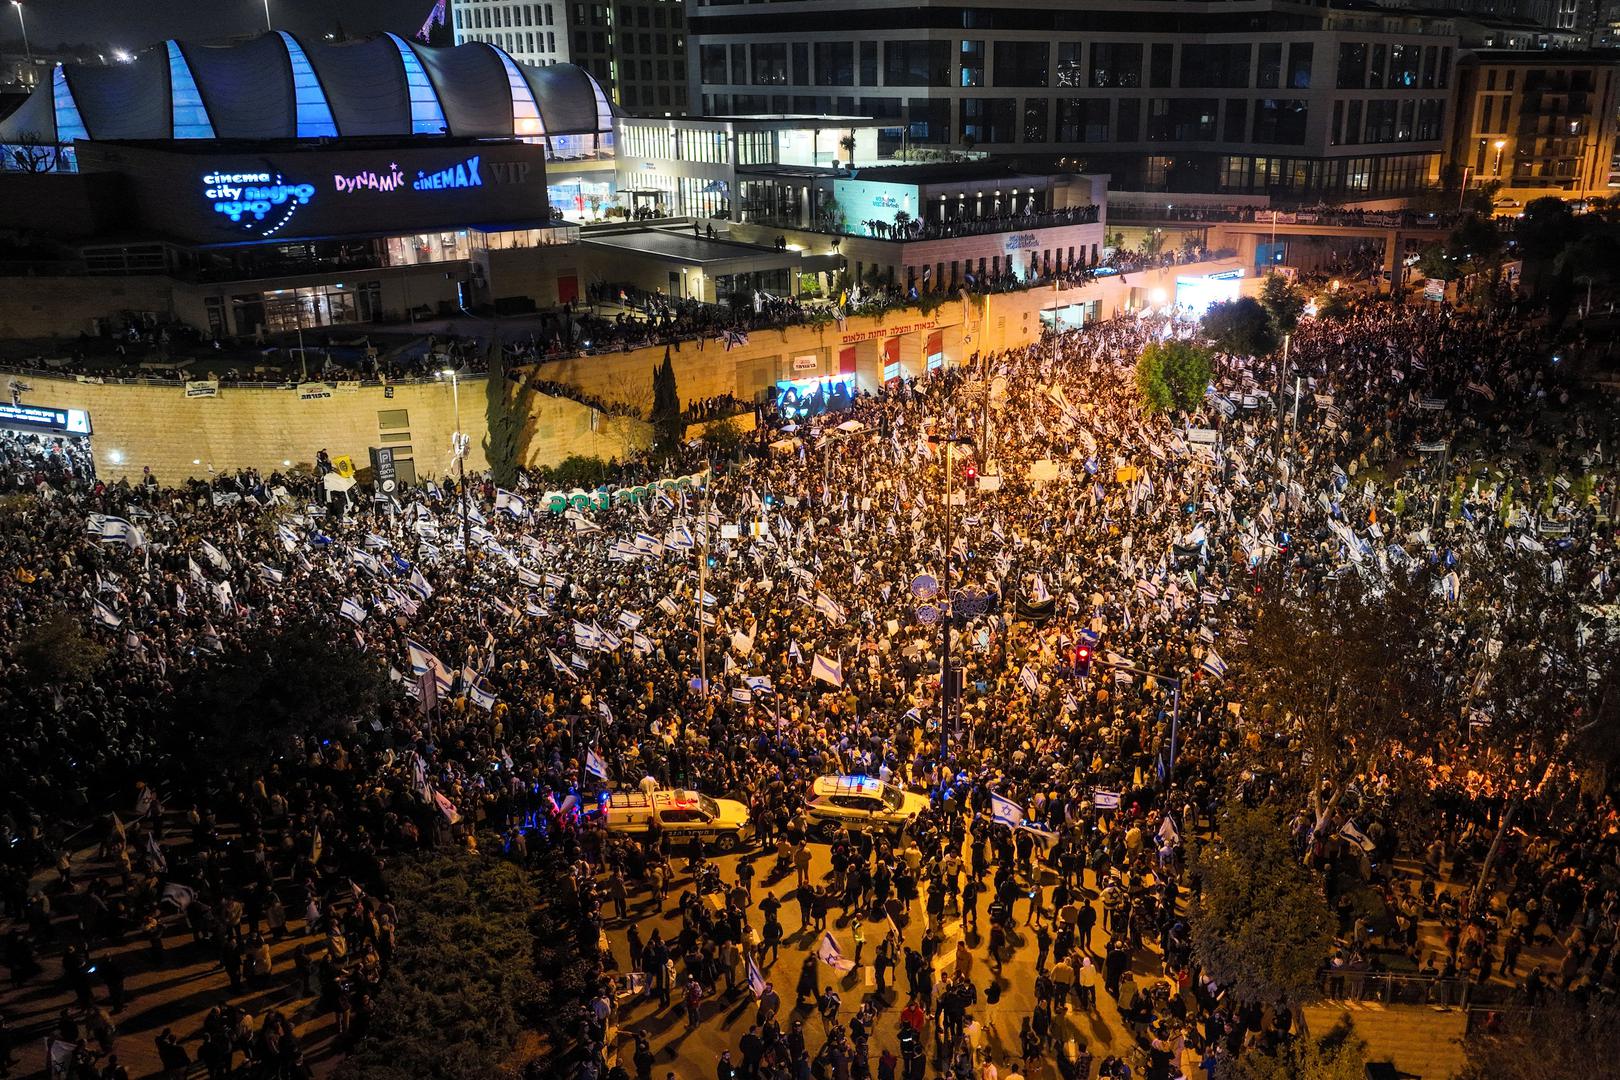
column 464, row 175
column 390, row 180
column 249, row 197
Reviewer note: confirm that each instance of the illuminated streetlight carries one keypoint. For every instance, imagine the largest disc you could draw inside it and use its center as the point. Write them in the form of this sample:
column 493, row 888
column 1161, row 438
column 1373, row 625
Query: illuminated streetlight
column 1497, row 167
column 21, row 22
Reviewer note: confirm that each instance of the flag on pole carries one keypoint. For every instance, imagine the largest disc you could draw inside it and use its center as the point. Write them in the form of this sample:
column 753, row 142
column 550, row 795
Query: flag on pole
column 105, row 615
column 1214, row 665
column 595, row 765
column 352, row 610
column 1029, row 679
column 1356, row 836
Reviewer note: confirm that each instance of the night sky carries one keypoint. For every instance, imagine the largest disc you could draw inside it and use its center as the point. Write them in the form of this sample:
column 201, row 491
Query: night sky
column 135, row 24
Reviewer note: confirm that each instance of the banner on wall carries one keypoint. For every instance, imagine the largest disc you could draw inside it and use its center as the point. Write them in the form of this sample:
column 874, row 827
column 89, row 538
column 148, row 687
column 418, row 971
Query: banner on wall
column 203, row 388
column 314, row 391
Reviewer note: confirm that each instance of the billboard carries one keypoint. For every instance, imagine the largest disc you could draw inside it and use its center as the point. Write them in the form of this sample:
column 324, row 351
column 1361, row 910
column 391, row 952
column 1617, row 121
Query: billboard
column 230, row 196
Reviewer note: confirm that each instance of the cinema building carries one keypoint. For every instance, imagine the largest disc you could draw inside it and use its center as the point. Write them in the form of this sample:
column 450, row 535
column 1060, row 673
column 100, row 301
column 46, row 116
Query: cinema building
column 291, row 184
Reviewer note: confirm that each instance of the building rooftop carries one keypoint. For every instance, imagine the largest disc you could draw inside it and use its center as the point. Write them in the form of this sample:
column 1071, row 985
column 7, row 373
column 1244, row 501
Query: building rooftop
column 942, row 172
column 682, row 246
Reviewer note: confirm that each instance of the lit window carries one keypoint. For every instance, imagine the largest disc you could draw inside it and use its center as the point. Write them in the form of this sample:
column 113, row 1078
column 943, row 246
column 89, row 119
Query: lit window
column 427, row 115
column 314, row 115
column 190, row 115
column 69, row 124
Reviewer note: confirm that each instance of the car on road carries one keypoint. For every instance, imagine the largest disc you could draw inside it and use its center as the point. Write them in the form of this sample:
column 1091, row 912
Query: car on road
column 678, row 812
column 860, row 802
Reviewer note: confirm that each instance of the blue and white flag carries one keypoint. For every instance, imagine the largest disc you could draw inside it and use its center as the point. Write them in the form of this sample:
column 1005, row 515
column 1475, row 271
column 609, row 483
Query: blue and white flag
column 595, row 765
column 419, row 585
column 1356, row 836
column 1038, row 593
column 288, row 536
column 586, row 637
column 1006, row 811
column 534, row 608
column 215, row 556
column 630, row 620
column 423, row 661
column 1213, row 664
column 742, row 694
column 828, row 952
column 829, row 607
column 560, row 667
column 828, row 671
column 756, row 981
column 352, row 610
column 105, row 615
column 114, row 530
column 759, row 684
column 481, row 695
column 270, row 573
column 1029, row 679
column 1105, row 800
column 513, row 504
column 641, row 643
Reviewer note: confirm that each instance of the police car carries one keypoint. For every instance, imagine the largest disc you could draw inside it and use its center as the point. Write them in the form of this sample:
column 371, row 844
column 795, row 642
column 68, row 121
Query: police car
column 860, row 802
column 679, row 814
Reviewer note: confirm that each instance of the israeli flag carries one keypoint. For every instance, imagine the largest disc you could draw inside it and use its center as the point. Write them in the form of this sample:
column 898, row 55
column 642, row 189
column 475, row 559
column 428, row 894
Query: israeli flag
column 641, row 643
column 585, row 636
column 1214, row 665
column 1038, row 593
column 680, row 537
column 215, row 556
column 828, row 671
column 828, row 607
column 828, row 952
column 756, row 981
column 270, row 573
column 1148, row 589
column 1105, row 800
column 1356, row 836
column 533, row 608
column 595, row 765
column 105, row 615
column 759, row 684
column 515, row 505
column 1005, row 811
column 419, row 585
column 480, row 694
column 742, row 694
column 352, row 610
column 629, row 620
column 288, row 536
column 560, row 667
column 1029, row 679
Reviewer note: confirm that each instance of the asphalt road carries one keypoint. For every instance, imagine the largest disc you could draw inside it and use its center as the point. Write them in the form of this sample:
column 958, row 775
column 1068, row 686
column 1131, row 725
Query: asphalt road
column 725, row 1017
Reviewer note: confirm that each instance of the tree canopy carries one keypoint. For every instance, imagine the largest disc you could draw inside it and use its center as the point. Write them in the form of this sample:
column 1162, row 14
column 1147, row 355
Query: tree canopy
column 668, row 426
column 1283, row 302
column 1261, row 925
column 1241, row 327
column 1172, row 375
column 57, row 650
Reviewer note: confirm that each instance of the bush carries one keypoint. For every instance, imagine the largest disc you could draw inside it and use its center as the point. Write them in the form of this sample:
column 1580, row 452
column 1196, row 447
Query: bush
column 573, row 471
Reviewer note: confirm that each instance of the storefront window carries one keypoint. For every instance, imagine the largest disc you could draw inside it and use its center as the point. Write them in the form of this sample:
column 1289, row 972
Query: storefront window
column 427, row 248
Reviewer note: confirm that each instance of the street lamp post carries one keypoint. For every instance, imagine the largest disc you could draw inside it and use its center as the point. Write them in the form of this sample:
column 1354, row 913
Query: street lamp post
column 28, row 49
column 458, row 446
column 267, row 14
column 945, row 602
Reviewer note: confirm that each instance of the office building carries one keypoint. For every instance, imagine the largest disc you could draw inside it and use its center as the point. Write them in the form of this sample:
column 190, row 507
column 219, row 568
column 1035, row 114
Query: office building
column 1539, row 122
column 1295, row 100
column 635, row 48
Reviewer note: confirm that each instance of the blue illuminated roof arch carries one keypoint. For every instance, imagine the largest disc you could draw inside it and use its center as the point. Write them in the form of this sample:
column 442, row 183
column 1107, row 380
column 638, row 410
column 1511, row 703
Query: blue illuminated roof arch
column 427, row 114
column 69, row 124
column 190, row 113
column 314, row 118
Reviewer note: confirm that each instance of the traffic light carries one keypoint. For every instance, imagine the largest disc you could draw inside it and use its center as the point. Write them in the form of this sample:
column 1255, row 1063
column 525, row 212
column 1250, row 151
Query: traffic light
column 971, row 471
column 1084, row 650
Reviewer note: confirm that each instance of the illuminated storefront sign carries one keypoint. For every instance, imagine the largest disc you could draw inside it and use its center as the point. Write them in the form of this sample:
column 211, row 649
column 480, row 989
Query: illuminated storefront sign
column 464, row 175
column 248, row 198
column 390, row 179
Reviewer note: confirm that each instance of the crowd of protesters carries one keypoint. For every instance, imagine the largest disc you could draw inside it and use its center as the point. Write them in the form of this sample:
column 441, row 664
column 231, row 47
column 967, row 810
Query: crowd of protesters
column 569, row 638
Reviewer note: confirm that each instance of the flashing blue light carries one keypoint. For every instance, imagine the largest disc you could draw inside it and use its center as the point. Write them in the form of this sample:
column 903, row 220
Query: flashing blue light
column 314, row 114
column 189, row 115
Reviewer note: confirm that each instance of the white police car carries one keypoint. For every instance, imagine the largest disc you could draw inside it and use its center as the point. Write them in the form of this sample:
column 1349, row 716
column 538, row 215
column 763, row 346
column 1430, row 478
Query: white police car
column 860, row 802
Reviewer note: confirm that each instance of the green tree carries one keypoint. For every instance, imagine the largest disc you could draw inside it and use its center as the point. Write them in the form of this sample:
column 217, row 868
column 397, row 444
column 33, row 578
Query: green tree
column 1335, row 306
column 1337, row 1055
column 1260, row 925
column 1283, row 302
column 281, row 685
column 57, row 650
column 1541, row 233
column 1341, row 672
column 1172, row 374
column 462, row 985
column 506, row 411
column 722, row 437
column 1241, row 327
column 668, row 424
